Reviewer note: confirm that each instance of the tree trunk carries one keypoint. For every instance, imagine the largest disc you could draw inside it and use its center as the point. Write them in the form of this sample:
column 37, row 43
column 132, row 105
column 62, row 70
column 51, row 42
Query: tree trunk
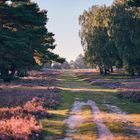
column 13, row 70
column 5, row 75
column 101, row 71
column 22, row 73
column 105, row 71
column 132, row 72
column 111, row 69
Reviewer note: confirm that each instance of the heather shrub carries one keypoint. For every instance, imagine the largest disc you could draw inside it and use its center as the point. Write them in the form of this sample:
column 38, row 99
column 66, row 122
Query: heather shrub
column 28, row 101
column 21, row 122
column 35, row 104
column 133, row 96
column 36, row 107
column 20, row 128
column 7, row 113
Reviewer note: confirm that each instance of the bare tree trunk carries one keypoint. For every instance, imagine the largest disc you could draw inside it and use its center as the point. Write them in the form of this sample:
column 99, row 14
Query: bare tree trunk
column 101, row 70
column 111, row 69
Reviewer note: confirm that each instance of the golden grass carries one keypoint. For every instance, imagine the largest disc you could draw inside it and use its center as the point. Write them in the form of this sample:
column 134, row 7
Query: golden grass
column 87, row 129
column 121, row 137
column 88, row 89
column 136, row 119
column 62, row 112
column 55, row 126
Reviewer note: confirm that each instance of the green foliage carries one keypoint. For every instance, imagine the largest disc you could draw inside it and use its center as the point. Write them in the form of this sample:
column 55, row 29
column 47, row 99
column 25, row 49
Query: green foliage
column 135, row 3
column 98, row 46
column 110, row 36
column 24, row 39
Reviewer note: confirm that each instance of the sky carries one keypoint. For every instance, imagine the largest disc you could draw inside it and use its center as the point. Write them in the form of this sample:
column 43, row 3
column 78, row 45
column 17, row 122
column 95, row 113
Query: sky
column 63, row 22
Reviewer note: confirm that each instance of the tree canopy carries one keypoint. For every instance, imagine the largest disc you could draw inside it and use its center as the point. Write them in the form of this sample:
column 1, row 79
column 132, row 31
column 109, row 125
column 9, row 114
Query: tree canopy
column 25, row 42
column 135, row 3
column 110, row 36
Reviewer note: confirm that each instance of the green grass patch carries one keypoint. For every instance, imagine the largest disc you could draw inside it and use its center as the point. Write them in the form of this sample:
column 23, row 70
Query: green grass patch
column 117, row 127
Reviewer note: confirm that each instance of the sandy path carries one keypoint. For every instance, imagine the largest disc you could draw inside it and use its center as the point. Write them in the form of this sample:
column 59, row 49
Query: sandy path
column 103, row 132
column 75, row 119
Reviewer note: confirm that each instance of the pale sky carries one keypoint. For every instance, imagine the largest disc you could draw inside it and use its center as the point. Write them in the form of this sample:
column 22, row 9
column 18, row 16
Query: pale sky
column 63, row 22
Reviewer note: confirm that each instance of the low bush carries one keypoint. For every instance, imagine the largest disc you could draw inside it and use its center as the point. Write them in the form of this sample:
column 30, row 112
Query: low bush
column 133, row 96
column 21, row 122
column 26, row 128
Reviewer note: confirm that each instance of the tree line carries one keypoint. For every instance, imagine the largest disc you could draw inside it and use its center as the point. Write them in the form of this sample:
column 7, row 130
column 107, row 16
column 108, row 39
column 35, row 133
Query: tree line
column 78, row 63
column 25, row 42
column 110, row 36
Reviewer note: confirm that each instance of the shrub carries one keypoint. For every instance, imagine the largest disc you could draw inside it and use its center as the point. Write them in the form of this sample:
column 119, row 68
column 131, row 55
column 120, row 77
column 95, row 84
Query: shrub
column 20, row 128
column 133, row 96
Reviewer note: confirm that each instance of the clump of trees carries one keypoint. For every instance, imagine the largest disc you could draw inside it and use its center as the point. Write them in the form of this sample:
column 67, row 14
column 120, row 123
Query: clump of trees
column 110, row 36
column 25, row 42
column 64, row 65
column 79, row 63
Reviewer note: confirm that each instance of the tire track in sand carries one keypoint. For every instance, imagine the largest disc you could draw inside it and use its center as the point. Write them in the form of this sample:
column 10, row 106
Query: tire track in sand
column 75, row 119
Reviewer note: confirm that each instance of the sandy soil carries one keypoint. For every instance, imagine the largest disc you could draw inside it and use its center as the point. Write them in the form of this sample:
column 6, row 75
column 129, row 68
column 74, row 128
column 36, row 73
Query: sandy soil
column 75, row 119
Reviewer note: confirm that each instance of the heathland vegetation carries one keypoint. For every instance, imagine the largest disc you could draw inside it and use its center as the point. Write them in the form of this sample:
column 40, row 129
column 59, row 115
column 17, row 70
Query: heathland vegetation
column 69, row 101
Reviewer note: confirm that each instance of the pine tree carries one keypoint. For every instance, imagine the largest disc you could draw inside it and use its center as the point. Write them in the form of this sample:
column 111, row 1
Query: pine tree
column 24, row 39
